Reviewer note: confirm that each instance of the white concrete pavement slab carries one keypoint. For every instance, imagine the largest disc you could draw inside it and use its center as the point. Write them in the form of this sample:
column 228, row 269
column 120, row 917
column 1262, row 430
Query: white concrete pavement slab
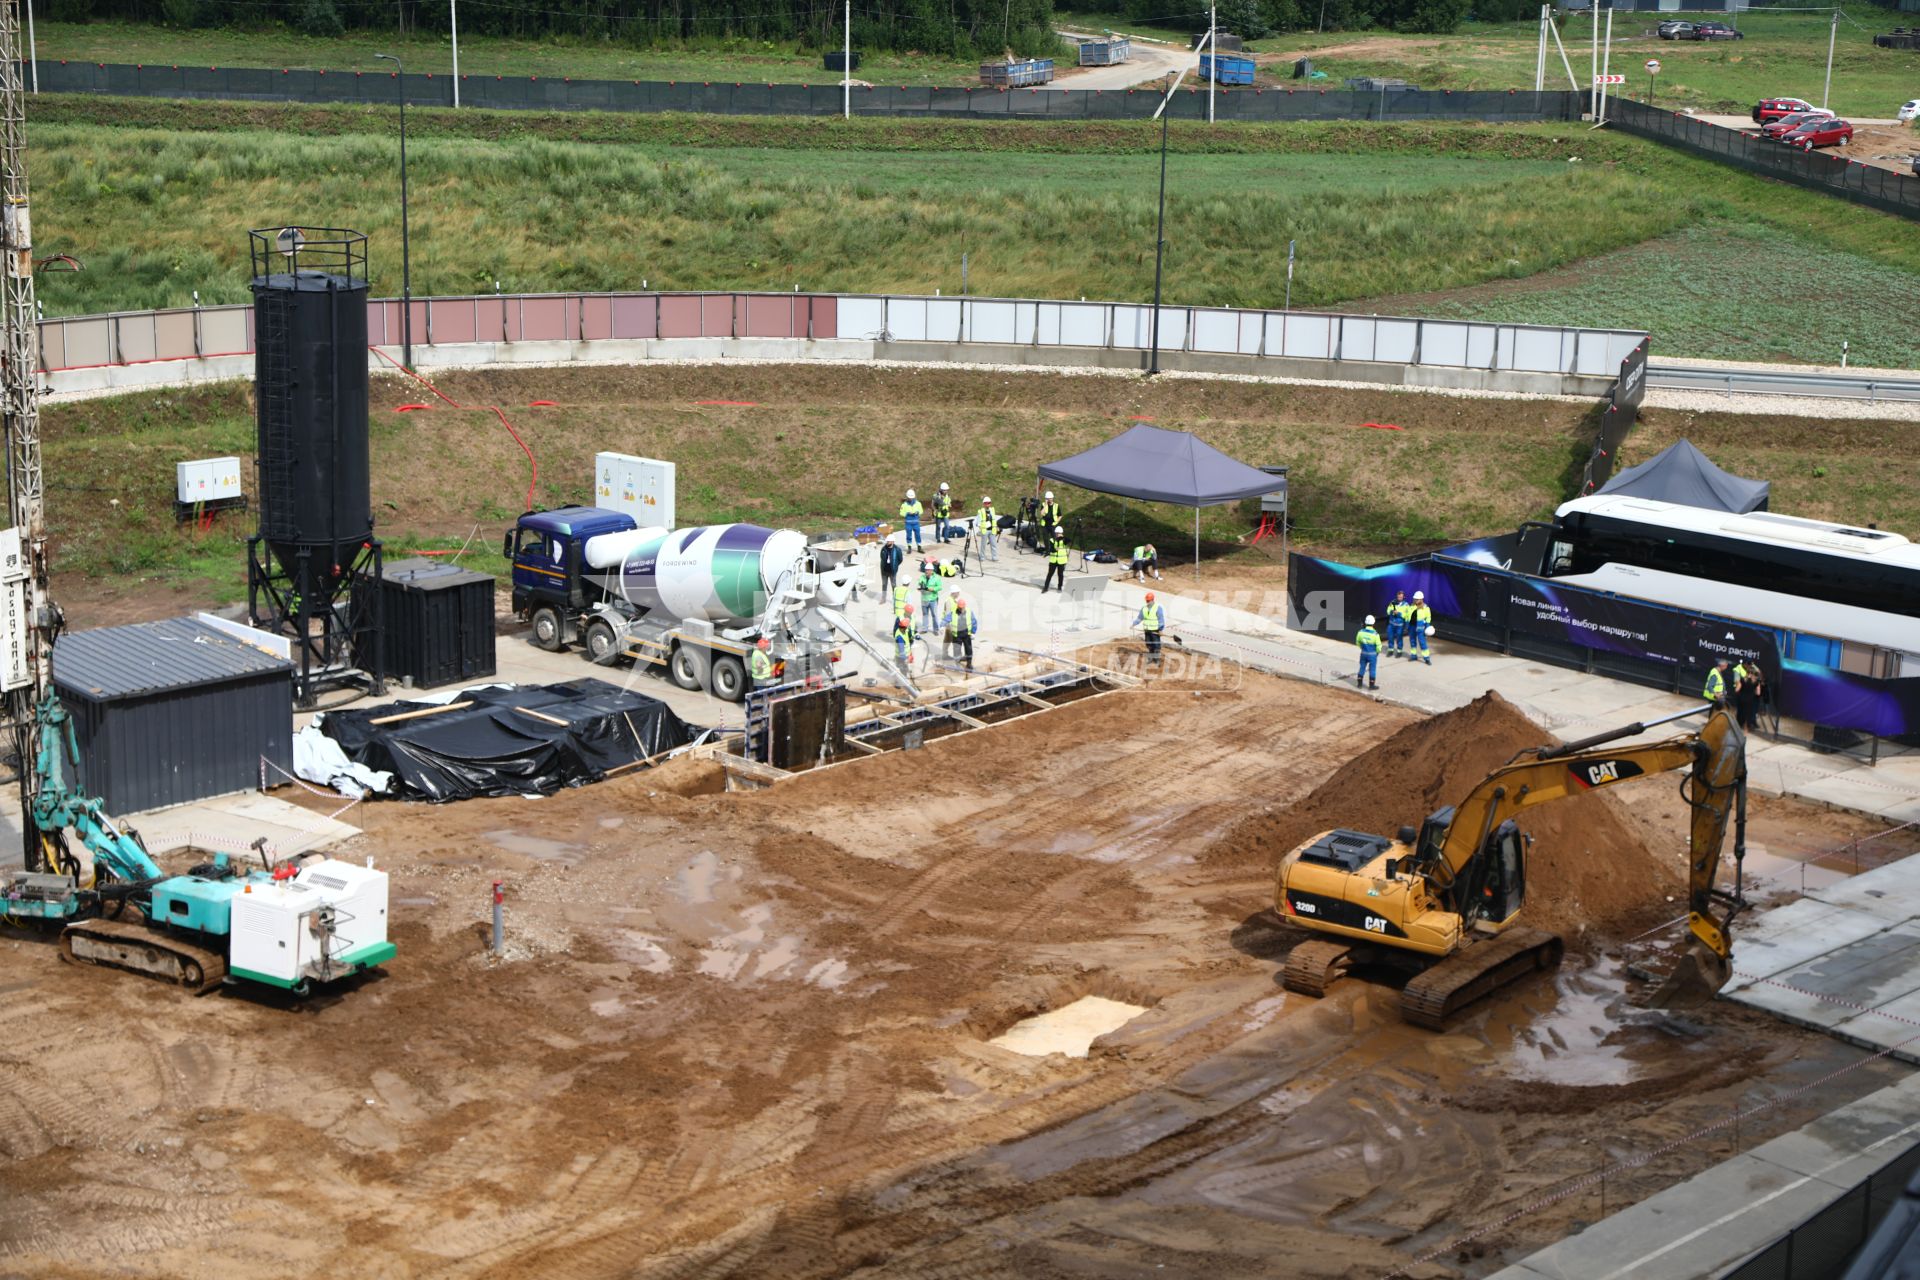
column 1705, row 1225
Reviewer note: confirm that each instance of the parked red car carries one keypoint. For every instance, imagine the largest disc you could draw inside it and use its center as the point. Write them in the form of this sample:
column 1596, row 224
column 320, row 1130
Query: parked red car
column 1787, row 124
column 1819, row 133
column 1715, row 31
column 1768, row 109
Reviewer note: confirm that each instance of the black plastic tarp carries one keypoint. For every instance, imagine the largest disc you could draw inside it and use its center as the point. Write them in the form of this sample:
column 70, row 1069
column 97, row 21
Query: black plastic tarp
column 1157, row 465
column 526, row 740
column 1682, row 474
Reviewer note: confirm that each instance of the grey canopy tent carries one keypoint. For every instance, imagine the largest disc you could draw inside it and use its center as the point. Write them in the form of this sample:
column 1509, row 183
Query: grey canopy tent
column 1682, row 474
column 1157, row 465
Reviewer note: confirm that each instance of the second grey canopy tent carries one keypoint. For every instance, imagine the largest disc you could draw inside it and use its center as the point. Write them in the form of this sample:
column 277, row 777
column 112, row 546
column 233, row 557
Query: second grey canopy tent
column 1682, row 474
column 1157, row 465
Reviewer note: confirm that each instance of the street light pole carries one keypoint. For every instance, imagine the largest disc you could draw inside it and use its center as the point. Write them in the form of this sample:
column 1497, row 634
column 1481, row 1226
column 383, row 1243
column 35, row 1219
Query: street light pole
column 1160, row 233
column 453, row 21
column 406, row 252
column 1833, row 34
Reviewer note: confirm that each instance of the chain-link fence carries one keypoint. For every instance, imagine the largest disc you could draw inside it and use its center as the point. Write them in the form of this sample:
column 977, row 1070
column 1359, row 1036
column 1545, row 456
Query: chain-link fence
column 536, row 93
column 1834, row 174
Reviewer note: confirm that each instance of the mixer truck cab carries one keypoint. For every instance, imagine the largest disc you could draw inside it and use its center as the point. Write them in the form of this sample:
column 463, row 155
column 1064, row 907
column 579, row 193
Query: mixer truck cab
column 690, row 602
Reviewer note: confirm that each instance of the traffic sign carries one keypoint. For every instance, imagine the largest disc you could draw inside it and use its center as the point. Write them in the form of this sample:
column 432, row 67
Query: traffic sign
column 1609, row 79
column 1653, row 66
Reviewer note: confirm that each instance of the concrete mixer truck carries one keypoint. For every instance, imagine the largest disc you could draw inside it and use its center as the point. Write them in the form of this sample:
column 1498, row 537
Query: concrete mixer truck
column 691, row 602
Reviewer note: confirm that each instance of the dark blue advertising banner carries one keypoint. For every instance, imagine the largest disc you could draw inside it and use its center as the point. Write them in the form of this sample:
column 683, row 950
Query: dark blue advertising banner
column 1476, row 602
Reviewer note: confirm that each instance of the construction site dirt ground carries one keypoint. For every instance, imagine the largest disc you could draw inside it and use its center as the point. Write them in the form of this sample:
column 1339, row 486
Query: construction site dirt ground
column 746, row 1034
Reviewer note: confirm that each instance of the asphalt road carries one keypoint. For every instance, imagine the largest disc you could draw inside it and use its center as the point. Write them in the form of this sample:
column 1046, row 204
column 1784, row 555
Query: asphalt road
column 1150, row 61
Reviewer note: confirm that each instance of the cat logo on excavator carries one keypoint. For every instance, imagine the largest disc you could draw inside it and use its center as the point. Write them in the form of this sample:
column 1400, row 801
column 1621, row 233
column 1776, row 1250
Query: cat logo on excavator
column 1601, row 773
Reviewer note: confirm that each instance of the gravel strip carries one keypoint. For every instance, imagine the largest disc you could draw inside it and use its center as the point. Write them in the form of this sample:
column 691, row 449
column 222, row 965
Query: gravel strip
column 1783, row 406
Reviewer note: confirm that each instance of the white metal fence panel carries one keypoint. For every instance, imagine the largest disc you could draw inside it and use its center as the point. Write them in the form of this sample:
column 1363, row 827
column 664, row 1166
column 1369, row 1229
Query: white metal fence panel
column 1482, row 342
column 1216, row 331
column 1307, row 337
column 944, row 320
column 1538, row 350
column 1442, row 343
column 862, row 317
column 1356, row 338
column 1082, row 325
column 990, row 322
column 1396, row 341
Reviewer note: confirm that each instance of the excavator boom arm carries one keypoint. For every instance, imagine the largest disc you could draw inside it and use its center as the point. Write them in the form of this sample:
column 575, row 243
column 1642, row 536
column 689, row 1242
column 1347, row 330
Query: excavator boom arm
column 1716, row 757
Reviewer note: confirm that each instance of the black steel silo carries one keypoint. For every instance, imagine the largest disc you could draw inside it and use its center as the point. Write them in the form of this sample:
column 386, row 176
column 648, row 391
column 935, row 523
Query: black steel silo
column 310, row 370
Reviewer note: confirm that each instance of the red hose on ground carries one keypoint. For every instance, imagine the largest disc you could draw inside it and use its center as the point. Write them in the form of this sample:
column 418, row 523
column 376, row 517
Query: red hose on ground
column 533, row 479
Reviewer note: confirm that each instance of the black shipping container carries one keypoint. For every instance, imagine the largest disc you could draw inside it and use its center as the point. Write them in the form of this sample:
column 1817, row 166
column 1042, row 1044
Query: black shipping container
column 169, row 712
column 438, row 623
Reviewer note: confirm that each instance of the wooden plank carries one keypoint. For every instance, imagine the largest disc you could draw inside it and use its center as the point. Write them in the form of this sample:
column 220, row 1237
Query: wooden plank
column 541, row 715
column 424, row 711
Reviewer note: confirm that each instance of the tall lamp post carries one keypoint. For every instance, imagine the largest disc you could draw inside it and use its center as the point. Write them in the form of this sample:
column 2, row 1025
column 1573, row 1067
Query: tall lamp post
column 1160, row 230
column 406, row 258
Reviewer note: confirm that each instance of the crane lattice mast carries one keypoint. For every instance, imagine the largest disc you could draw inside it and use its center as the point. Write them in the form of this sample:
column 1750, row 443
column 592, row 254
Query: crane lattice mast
column 27, row 616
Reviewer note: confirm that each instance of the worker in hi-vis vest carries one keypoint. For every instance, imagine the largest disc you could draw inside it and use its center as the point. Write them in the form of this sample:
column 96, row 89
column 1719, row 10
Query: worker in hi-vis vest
column 910, row 510
column 932, row 584
column 1716, row 686
column 760, row 664
column 1399, row 614
column 1056, row 560
column 1420, row 627
column 943, row 513
column 987, row 528
column 1369, row 642
column 903, row 638
column 1146, row 560
column 962, row 625
column 1152, row 620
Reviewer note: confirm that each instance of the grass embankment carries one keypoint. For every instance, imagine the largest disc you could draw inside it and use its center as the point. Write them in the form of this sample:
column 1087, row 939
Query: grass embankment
column 717, row 59
column 711, row 203
column 822, row 449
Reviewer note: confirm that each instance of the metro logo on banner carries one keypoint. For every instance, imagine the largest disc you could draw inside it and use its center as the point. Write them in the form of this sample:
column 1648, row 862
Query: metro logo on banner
column 1609, row 79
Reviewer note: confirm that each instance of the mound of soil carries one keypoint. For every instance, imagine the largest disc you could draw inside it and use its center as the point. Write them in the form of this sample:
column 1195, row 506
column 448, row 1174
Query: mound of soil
column 1588, row 872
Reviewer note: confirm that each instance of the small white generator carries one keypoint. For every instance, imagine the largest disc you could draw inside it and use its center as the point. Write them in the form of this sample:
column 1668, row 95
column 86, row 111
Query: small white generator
column 325, row 923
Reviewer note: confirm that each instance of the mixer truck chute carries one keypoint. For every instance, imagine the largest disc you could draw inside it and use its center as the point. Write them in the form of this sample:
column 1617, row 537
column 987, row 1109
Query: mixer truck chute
column 691, row 601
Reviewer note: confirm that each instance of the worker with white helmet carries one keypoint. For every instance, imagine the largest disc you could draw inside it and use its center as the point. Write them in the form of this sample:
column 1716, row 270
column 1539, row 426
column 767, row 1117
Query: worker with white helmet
column 1397, row 614
column 1056, row 559
column 986, row 525
column 1049, row 515
column 910, row 510
column 1369, row 641
column 943, row 513
column 1420, row 628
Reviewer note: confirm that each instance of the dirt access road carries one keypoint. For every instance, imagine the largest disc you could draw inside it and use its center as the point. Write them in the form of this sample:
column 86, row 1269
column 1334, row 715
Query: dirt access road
column 1149, row 60
column 747, row 1035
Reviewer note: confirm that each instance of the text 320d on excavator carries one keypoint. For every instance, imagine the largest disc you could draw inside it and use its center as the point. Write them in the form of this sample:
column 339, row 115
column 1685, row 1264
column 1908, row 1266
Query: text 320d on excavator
column 1446, row 902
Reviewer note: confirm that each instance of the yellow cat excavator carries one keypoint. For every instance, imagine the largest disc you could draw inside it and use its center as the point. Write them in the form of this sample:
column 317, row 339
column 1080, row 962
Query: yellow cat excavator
column 1445, row 901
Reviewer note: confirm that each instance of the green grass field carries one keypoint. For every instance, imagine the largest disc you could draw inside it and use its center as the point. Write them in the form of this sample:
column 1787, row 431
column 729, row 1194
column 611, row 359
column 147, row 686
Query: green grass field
column 155, row 214
column 1784, row 53
column 781, row 62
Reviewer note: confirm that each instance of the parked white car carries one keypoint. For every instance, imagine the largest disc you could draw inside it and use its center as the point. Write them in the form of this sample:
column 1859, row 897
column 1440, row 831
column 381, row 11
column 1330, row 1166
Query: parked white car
column 1908, row 111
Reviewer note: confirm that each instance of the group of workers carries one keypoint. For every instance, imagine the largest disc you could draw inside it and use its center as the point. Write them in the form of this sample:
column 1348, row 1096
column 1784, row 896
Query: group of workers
column 1738, row 685
column 1409, row 628
column 943, row 519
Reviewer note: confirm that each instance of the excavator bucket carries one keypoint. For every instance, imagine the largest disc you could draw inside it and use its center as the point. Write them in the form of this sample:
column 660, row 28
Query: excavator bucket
column 1696, row 979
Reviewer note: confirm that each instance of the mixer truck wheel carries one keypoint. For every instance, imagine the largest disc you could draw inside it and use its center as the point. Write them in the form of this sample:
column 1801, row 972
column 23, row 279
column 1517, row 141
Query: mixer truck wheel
column 729, row 678
column 549, row 629
column 684, row 667
column 603, row 647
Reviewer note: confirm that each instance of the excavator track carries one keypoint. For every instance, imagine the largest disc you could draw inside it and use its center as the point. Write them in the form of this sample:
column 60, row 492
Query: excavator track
column 1437, row 993
column 1314, row 966
column 124, row 944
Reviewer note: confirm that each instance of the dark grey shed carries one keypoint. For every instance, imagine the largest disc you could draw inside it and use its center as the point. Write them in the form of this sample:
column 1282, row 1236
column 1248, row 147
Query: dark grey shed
column 174, row 711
